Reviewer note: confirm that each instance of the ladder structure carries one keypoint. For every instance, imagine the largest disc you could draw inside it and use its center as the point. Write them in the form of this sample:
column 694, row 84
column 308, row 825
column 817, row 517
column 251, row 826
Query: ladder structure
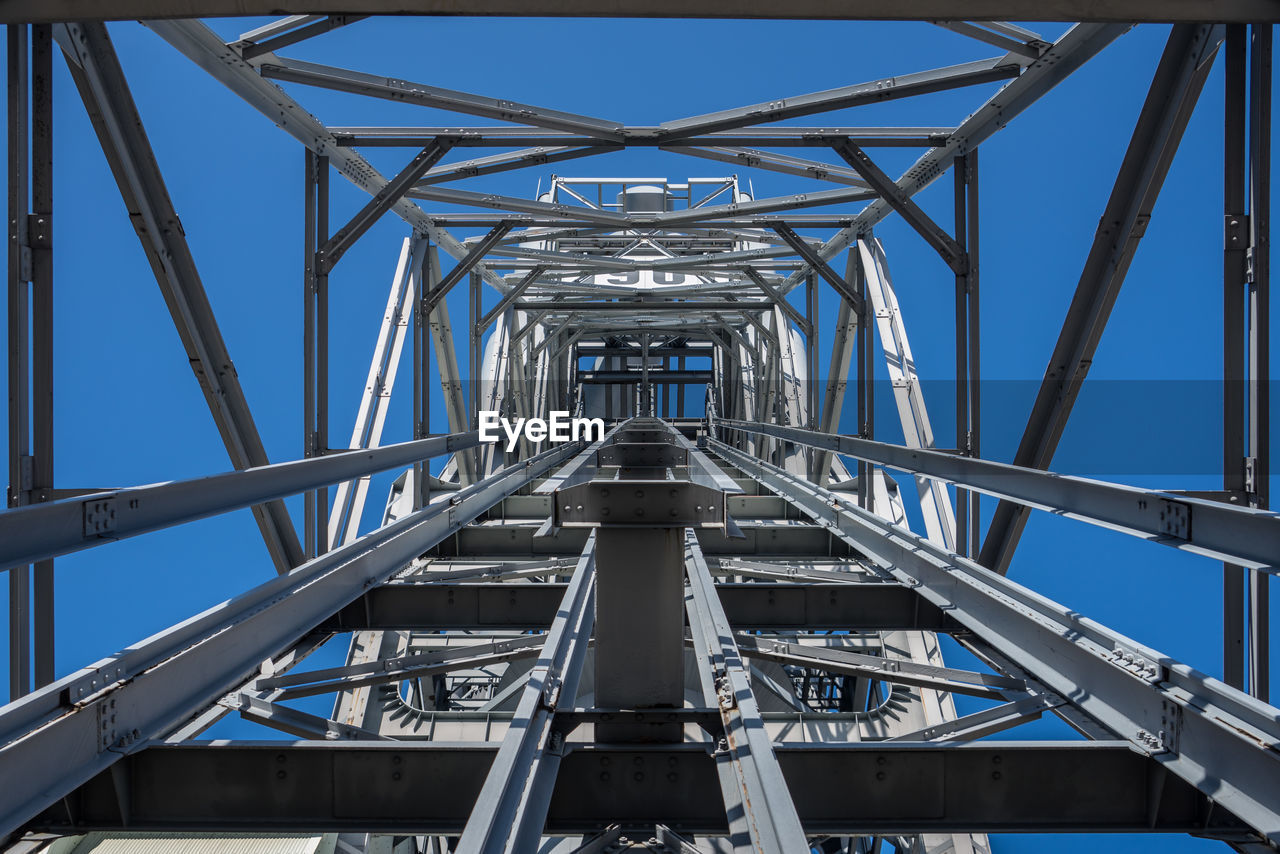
column 700, row 620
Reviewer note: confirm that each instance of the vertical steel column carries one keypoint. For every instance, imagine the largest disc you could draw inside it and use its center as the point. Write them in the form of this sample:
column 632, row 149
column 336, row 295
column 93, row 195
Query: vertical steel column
column 310, row 168
column 315, row 344
column 30, row 305
column 975, row 348
column 40, row 241
column 19, row 386
column 422, row 378
column 679, row 389
column 639, row 656
column 960, row 168
column 866, row 376
column 1234, row 274
column 1259, row 337
column 473, row 335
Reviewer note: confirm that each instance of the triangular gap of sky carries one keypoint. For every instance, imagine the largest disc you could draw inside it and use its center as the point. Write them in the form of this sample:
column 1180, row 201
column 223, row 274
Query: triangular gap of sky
column 128, row 410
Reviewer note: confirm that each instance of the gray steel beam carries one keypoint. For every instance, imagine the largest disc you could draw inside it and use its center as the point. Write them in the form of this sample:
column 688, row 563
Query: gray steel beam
column 60, row 736
column 17, row 290
column 811, row 257
column 373, row 85
column 905, row 788
column 308, row 683
column 202, row 46
column 779, row 300
column 836, row 660
column 1235, row 274
column 1183, row 68
column 61, row 527
column 1209, row 734
column 1260, row 340
column 944, row 244
column 474, row 256
column 774, row 162
column 263, row 41
column 813, row 606
column 986, row 722
column 383, row 200
column 1138, row 11
column 1248, row 535
column 872, row 92
column 506, row 162
column 644, row 306
column 511, row 807
column 97, row 74
column 1077, row 46
column 296, row 723
column 762, row 814
column 770, row 136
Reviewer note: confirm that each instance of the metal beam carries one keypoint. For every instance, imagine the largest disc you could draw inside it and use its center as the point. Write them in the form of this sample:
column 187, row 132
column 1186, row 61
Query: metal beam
column 873, row 92
column 1044, row 786
column 945, row 245
column 62, row 527
column 383, row 200
column 97, row 74
column 1138, row 11
column 843, row 605
column 1210, row 735
column 1249, row 536
column 762, row 814
column 468, row 263
column 1069, row 53
column 511, row 807
column 373, row 85
column 65, row 733
column 1184, row 66
column 811, row 257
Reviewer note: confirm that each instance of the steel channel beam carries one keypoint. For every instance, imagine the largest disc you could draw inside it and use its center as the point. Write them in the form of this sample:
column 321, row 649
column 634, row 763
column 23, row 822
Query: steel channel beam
column 1175, row 88
column 872, row 92
column 60, row 736
column 66, row 526
column 511, row 807
column 1246, row 535
column 878, row 667
column 1138, row 11
column 383, row 200
column 811, row 257
column 101, row 82
column 933, row 234
column 196, row 41
column 755, row 791
column 1043, row 787
column 780, row 606
column 1199, row 729
column 466, row 265
column 376, row 86
column 1069, row 53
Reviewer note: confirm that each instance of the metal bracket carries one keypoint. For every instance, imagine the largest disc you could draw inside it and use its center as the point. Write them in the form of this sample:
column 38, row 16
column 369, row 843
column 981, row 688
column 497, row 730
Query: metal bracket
column 1137, row 664
column 99, row 517
column 1175, row 519
column 1235, row 231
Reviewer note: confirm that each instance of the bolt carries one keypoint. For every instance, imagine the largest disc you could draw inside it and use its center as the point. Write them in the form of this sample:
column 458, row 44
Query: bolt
column 604, row 775
column 879, row 775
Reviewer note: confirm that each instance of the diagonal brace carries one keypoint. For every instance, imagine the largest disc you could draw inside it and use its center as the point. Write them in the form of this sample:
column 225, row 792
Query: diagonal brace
column 382, row 201
column 814, row 260
column 951, row 251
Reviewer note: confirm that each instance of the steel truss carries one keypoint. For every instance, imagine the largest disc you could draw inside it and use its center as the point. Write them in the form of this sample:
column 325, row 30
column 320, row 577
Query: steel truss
column 711, row 628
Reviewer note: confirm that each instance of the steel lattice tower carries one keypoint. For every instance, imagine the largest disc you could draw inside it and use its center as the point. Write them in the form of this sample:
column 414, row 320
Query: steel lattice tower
column 707, row 626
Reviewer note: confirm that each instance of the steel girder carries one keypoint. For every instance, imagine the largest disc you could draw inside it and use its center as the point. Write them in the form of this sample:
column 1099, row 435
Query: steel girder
column 1183, row 69
column 430, row 788
column 1205, row 732
column 56, row 738
column 1145, row 11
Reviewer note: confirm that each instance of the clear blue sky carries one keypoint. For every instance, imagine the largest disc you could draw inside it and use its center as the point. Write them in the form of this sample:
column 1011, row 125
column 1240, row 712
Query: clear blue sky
column 129, row 411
